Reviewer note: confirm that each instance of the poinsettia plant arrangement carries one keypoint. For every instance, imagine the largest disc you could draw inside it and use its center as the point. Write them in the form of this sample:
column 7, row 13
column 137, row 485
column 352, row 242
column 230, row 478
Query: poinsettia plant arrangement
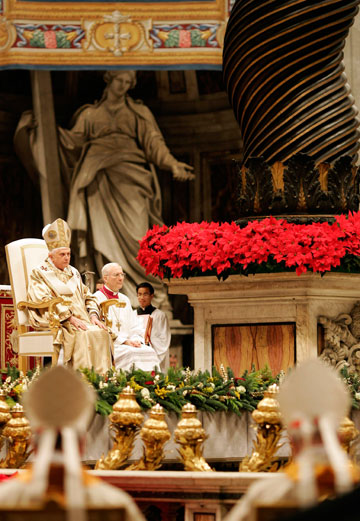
column 267, row 245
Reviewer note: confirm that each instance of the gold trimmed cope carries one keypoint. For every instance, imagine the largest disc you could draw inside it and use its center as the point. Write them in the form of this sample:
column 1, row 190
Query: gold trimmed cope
column 269, row 430
column 125, row 421
column 190, row 435
column 18, row 434
column 154, row 433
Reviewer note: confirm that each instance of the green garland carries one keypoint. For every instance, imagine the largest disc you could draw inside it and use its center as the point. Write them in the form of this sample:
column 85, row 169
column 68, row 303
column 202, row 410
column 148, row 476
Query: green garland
column 218, row 391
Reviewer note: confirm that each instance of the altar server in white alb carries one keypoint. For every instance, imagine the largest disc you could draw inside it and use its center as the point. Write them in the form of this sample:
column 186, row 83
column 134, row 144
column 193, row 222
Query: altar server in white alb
column 129, row 347
column 83, row 340
column 156, row 331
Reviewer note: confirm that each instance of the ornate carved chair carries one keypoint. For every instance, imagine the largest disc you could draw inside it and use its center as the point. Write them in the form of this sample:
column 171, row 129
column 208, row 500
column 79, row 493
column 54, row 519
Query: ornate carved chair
column 22, row 256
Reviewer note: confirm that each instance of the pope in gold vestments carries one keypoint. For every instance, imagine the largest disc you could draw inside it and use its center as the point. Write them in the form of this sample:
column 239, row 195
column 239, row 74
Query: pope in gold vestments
column 85, row 340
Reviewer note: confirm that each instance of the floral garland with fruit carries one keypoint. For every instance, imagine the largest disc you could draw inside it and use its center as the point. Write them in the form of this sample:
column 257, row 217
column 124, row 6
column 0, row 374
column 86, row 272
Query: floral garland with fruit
column 268, row 245
column 219, row 391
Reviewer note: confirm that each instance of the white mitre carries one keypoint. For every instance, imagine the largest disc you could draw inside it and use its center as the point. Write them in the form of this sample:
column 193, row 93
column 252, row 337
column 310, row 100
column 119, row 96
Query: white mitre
column 59, row 401
column 313, row 398
column 57, row 235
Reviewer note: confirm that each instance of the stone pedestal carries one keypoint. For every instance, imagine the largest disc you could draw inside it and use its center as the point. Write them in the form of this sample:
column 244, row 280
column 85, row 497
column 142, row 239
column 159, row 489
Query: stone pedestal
column 266, row 298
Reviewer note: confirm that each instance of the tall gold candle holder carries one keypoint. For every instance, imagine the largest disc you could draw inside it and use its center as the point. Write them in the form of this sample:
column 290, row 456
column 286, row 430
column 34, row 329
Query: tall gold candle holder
column 124, row 422
column 190, row 435
column 269, row 429
column 154, row 433
column 347, row 433
column 18, row 433
column 5, row 416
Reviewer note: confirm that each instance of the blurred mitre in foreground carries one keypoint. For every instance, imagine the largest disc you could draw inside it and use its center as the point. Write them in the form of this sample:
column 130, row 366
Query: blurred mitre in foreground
column 313, row 400
column 60, row 406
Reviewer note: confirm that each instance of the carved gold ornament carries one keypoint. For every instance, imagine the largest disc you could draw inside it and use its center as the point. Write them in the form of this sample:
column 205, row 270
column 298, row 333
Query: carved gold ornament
column 117, row 34
column 18, row 433
column 54, row 319
column 5, row 416
column 154, row 433
column 104, row 309
column 269, row 429
column 190, row 435
column 125, row 421
column 7, row 34
column 347, row 433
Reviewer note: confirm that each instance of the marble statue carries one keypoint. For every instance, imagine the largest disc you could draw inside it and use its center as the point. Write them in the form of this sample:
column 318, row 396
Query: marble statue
column 109, row 156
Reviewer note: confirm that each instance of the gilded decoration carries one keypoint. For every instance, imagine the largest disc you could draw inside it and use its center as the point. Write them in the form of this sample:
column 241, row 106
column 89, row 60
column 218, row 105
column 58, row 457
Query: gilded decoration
column 118, row 34
column 190, row 435
column 7, row 329
column 125, row 421
column 7, row 34
column 267, row 416
column 342, row 340
column 154, row 434
column 93, row 33
column 18, row 434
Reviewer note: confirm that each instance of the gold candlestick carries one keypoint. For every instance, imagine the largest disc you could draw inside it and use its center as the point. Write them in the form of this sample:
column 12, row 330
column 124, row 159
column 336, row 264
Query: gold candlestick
column 155, row 434
column 18, row 433
column 347, row 433
column 124, row 422
column 190, row 435
column 269, row 429
column 5, row 415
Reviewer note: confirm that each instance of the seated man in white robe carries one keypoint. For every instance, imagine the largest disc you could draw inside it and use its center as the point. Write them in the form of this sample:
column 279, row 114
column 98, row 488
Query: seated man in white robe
column 83, row 339
column 129, row 347
column 157, row 331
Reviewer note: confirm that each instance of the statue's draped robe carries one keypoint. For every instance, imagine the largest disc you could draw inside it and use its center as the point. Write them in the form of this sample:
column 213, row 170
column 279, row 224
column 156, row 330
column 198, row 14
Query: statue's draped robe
column 126, row 327
column 90, row 348
column 114, row 195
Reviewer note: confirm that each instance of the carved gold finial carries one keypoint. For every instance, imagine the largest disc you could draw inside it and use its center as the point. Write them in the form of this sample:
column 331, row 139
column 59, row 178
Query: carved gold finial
column 269, row 429
column 347, row 433
column 190, row 435
column 18, row 433
column 124, row 421
column 5, row 415
column 155, row 434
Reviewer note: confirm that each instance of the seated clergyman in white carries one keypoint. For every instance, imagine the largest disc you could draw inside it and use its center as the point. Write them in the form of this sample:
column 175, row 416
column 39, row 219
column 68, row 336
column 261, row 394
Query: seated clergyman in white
column 129, row 347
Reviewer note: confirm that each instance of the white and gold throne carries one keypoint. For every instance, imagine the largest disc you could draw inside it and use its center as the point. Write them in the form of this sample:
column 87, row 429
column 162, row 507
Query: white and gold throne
column 22, row 256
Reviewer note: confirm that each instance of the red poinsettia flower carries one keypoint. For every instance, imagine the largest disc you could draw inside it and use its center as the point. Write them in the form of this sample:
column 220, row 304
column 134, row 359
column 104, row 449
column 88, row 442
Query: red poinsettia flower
column 193, row 248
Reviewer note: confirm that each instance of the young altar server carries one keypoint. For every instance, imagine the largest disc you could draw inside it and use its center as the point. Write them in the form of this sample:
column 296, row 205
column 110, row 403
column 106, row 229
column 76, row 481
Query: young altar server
column 60, row 405
column 313, row 401
column 155, row 324
column 129, row 346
